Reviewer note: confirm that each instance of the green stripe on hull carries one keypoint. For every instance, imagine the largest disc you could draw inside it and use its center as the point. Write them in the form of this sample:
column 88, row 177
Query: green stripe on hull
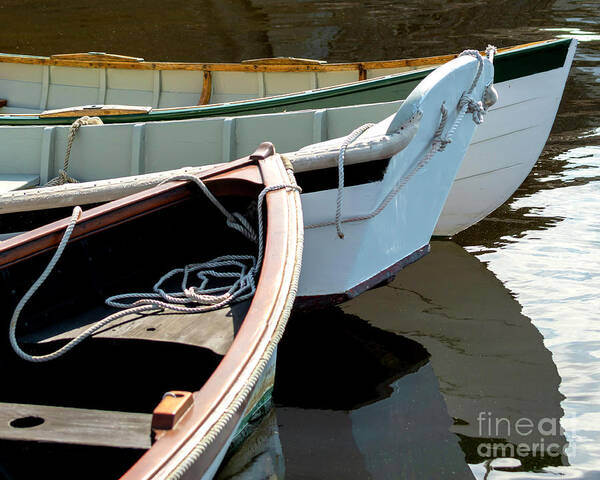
column 530, row 60
column 246, row 426
column 508, row 66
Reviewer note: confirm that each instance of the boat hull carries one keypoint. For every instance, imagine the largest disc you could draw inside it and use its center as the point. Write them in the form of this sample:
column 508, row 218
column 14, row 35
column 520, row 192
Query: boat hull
column 530, row 83
column 259, row 401
column 392, row 231
column 505, row 147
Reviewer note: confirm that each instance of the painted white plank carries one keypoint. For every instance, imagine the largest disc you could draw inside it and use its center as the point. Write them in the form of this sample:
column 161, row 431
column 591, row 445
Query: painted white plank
column 320, row 125
column 156, row 88
column 45, row 87
column 47, row 154
column 261, row 84
column 229, row 150
column 101, row 86
column 137, row 149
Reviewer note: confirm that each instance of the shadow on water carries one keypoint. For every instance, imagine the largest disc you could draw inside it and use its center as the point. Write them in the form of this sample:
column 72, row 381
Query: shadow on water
column 356, row 401
column 491, row 362
column 359, row 397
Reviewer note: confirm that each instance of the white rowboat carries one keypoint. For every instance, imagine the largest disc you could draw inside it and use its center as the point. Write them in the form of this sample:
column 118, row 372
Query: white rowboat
column 398, row 201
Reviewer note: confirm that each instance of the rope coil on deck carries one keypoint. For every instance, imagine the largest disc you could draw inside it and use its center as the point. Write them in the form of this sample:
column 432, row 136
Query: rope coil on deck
column 438, row 143
column 62, row 176
column 202, row 299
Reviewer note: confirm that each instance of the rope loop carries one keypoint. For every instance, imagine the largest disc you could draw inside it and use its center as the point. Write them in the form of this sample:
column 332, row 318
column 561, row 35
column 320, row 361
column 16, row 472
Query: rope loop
column 439, row 142
column 241, row 269
column 341, row 157
column 62, row 176
column 471, row 106
column 490, row 52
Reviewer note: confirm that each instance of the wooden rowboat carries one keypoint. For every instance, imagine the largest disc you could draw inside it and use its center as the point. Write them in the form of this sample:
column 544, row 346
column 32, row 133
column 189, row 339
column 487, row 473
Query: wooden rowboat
column 103, row 399
column 395, row 176
column 529, row 78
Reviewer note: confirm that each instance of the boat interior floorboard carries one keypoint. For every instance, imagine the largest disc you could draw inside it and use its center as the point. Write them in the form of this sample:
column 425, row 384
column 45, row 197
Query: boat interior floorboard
column 42, row 423
column 213, row 330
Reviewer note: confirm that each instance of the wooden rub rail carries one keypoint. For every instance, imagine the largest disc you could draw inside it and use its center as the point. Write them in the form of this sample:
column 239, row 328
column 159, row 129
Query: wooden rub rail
column 285, row 64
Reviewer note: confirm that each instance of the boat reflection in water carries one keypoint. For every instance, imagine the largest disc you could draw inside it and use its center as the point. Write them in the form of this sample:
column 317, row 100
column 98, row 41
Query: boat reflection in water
column 498, row 380
column 357, row 402
column 260, row 455
column 419, row 379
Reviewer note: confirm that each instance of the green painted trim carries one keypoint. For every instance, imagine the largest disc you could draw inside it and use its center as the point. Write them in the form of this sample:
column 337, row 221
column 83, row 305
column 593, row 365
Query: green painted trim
column 508, row 65
column 530, row 60
column 246, row 426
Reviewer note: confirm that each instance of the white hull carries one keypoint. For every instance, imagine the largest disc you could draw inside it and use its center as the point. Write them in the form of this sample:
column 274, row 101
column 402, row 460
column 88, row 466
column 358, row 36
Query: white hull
column 372, row 250
column 505, row 147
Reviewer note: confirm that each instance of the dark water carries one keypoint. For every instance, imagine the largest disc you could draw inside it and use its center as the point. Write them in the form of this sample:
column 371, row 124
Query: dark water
column 491, row 342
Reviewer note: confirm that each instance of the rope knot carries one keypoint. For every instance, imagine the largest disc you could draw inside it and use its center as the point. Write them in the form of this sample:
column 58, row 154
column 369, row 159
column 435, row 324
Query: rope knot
column 490, row 51
column 441, row 143
column 63, row 177
column 475, row 108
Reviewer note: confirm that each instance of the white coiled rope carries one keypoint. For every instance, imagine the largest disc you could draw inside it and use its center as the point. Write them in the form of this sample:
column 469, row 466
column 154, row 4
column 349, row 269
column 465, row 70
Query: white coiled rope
column 192, row 299
column 438, row 144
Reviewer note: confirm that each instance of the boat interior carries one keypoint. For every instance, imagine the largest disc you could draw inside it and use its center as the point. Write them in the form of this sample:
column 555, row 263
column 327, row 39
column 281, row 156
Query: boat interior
column 60, row 417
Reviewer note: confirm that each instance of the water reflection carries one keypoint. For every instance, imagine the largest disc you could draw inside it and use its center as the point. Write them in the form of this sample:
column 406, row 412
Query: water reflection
column 490, row 360
column 259, row 457
column 357, row 402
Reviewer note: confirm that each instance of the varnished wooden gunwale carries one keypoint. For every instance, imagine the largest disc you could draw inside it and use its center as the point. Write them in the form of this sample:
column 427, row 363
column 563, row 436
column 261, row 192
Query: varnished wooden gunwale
column 261, row 66
column 37, row 241
column 256, row 330
column 513, row 62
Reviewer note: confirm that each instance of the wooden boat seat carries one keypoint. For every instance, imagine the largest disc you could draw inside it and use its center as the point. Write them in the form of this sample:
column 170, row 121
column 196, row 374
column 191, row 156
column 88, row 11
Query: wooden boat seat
column 95, row 111
column 214, row 331
column 211, row 330
column 12, row 182
column 41, row 423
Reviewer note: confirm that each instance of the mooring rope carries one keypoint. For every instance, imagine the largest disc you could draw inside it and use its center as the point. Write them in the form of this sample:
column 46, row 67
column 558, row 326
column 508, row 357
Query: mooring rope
column 340, row 193
column 438, row 144
column 63, row 176
column 203, row 299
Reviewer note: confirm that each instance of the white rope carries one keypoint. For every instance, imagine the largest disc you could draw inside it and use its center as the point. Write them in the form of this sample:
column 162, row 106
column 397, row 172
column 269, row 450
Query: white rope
column 190, row 299
column 340, row 193
column 63, row 177
column 473, row 107
column 237, row 404
column 438, row 144
column 490, row 52
column 13, row 321
column 234, row 220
